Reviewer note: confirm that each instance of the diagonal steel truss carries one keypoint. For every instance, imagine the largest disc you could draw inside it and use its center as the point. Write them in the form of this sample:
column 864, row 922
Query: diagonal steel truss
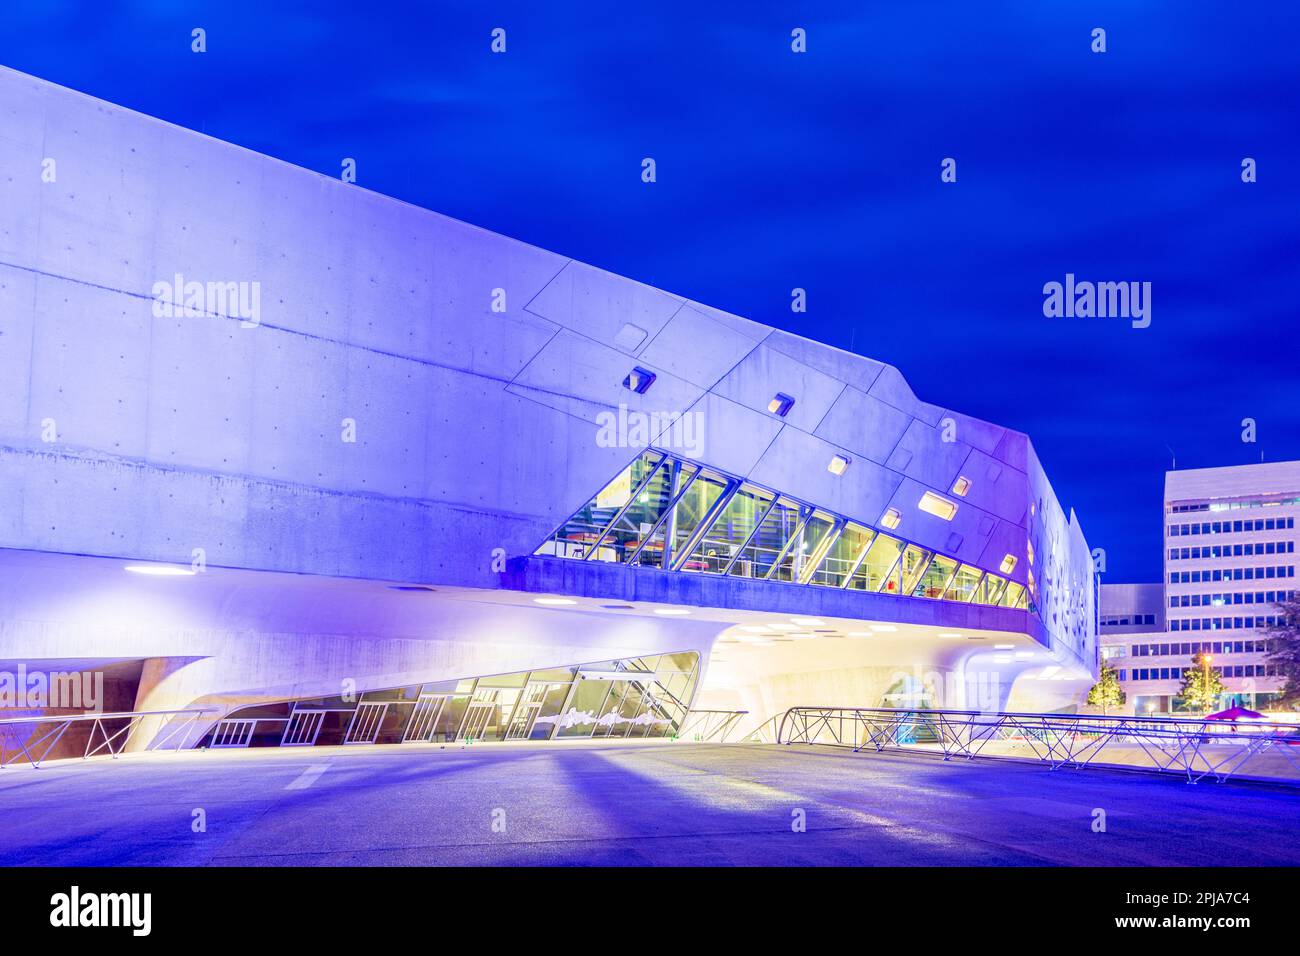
column 1193, row 748
column 34, row 738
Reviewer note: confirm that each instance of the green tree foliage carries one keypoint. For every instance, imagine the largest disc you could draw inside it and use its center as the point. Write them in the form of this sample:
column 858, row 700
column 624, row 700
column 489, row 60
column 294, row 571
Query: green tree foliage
column 1202, row 685
column 1284, row 650
column 1106, row 693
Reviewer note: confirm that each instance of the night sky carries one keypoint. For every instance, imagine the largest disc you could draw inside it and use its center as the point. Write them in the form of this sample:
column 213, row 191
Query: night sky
column 821, row 170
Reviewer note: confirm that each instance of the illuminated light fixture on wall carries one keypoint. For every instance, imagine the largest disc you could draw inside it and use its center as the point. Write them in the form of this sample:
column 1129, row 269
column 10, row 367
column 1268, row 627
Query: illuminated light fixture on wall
column 161, row 570
column 839, row 464
column 1004, row 647
column 780, row 404
column 882, row 628
column 671, row 611
column 950, row 636
column 961, row 487
column 755, row 628
column 808, row 621
column 554, row 601
column 891, row 518
column 1008, row 564
column 937, row 506
column 639, row 380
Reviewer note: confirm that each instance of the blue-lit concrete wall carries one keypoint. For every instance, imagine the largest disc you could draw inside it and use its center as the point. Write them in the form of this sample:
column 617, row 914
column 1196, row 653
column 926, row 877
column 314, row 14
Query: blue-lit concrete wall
column 126, row 434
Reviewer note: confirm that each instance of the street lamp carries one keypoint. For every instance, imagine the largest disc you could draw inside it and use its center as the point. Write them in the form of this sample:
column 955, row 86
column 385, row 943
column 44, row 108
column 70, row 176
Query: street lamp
column 1205, row 673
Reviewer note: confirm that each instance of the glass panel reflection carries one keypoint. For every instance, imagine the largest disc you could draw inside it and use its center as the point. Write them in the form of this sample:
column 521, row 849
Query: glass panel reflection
column 771, row 537
column 794, row 565
column 964, row 583
column 731, row 530
column 842, row 556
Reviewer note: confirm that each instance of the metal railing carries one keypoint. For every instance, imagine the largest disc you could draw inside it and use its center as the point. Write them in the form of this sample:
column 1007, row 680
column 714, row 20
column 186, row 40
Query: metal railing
column 702, row 726
column 768, row 732
column 109, row 734
column 1194, row 748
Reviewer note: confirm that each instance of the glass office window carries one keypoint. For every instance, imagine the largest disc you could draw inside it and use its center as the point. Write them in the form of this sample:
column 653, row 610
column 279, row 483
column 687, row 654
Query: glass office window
column 874, row 574
column 579, row 534
column 843, row 556
column 723, row 541
column 935, row 580
column 795, row 565
column 692, row 508
column 771, row 537
column 633, row 525
column 990, row 589
column 1013, row 596
column 651, row 554
column 914, row 561
column 964, row 583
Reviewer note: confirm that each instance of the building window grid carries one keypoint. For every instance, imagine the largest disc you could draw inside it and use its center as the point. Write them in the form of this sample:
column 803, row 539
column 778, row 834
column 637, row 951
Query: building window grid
column 1240, row 526
column 1244, row 550
column 1002, row 592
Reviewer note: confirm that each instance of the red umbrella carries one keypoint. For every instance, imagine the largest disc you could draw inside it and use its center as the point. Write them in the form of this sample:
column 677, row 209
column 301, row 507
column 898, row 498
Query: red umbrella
column 1235, row 713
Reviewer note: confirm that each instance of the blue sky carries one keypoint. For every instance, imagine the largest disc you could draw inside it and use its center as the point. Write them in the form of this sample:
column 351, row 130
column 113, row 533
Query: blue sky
column 821, row 171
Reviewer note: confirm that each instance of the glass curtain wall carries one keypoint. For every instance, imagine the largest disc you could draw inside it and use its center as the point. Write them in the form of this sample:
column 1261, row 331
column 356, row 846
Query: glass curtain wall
column 663, row 512
column 636, row 697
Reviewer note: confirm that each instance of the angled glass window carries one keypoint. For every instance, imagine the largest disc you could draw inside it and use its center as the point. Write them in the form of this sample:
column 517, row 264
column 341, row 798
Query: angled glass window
column 651, row 554
column 936, row 577
column 843, row 556
column 874, row 572
column 914, row 561
column 667, row 513
column 735, row 523
column 773, row 533
column 577, row 537
column 964, row 583
column 692, row 508
column 633, row 524
column 796, row 563
column 990, row 589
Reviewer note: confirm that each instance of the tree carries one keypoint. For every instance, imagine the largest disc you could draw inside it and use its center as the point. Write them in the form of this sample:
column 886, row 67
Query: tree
column 1284, row 649
column 1202, row 684
column 1106, row 693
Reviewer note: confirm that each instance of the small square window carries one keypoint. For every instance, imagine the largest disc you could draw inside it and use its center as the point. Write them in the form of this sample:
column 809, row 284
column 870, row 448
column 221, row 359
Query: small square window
column 938, row 506
column 961, row 487
column 639, row 380
column 891, row 518
column 839, row 464
column 1008, row 564
column 780, row 404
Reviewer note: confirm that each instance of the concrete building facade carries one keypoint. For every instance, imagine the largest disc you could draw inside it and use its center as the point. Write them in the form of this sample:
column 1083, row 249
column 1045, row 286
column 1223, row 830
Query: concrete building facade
column 1229, row 558
column 271, row 443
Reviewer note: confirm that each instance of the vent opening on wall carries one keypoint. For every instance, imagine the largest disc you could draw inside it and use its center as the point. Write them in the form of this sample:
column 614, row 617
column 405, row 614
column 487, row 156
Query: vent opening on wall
column 839, row 464
column 780, row 404
column 410, row 587
column 639, row 380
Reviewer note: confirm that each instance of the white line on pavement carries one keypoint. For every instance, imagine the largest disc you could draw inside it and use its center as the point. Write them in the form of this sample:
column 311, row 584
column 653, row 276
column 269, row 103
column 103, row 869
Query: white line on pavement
column 308, row 777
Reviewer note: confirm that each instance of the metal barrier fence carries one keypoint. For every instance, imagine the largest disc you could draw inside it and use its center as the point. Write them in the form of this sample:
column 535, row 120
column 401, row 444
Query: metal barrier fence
column 1185, row 746
column 702, row 726
column 109, row 734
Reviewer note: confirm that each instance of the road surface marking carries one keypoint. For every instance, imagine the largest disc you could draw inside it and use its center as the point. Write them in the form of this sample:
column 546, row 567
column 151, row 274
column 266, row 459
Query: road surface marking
column 308, row 777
